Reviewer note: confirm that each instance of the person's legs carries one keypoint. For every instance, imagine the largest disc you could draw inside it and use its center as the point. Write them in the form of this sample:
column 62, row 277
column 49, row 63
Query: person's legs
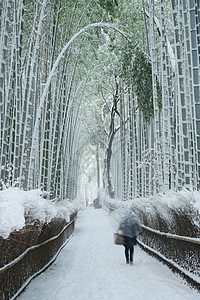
column 129, row 248
column 127, row 254
column 131, row 254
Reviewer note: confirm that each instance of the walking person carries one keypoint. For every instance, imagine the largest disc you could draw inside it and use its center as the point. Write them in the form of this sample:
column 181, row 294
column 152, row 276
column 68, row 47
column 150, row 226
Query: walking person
column 86, row 201
column 130, row 228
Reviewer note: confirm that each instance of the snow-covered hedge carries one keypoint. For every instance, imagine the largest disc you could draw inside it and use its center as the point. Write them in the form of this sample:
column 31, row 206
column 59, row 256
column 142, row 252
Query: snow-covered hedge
column 18, row 207
column 174, row 212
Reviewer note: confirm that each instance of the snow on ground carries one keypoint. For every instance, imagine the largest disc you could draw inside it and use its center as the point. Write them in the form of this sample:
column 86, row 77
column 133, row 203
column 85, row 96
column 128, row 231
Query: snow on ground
column 90, row 266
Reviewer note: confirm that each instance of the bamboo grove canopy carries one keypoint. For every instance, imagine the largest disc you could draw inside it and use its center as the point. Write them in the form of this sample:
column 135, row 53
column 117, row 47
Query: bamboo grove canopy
column 121, row 76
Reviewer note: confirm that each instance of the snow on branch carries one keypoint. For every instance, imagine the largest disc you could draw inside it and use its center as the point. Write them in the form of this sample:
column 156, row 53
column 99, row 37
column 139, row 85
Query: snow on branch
column 60, row 56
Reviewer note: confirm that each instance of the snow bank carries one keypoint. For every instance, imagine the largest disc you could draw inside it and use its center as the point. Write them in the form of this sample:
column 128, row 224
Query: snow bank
column 17, row 205
column 163, row 205
column 170, row 199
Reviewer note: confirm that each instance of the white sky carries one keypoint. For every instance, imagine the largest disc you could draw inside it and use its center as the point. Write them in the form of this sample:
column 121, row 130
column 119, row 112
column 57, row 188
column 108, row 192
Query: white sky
column 92, row 267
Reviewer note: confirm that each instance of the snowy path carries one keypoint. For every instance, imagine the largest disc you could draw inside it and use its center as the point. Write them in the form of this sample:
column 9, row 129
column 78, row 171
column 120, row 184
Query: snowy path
column 90, row 266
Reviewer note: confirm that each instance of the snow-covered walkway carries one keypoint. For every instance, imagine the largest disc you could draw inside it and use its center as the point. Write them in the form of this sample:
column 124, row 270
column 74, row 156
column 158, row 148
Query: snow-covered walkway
column 90, row 266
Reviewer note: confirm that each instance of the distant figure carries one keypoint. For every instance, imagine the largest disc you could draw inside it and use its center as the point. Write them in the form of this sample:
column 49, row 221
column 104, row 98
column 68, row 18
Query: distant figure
column 96, row 203
column 130, row 228
column 86, row 201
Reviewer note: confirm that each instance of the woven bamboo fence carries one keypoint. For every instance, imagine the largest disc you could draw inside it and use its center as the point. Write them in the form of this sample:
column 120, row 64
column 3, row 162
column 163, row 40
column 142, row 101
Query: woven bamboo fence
column 180, row 253
column 28, row 252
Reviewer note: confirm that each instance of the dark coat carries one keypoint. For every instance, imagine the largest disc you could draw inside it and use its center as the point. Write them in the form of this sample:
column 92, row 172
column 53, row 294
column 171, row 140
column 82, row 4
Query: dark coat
column 129, row 242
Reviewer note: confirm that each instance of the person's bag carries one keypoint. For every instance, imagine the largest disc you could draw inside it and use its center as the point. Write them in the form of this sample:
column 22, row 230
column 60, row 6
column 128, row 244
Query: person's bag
column 118, row 239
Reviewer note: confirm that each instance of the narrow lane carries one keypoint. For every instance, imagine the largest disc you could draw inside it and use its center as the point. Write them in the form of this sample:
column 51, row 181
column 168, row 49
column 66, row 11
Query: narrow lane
column 90, row 266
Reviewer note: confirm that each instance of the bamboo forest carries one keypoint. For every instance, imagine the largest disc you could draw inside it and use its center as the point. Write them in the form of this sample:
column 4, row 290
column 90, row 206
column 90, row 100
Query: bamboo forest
column 116, row 79
column 99, row 127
